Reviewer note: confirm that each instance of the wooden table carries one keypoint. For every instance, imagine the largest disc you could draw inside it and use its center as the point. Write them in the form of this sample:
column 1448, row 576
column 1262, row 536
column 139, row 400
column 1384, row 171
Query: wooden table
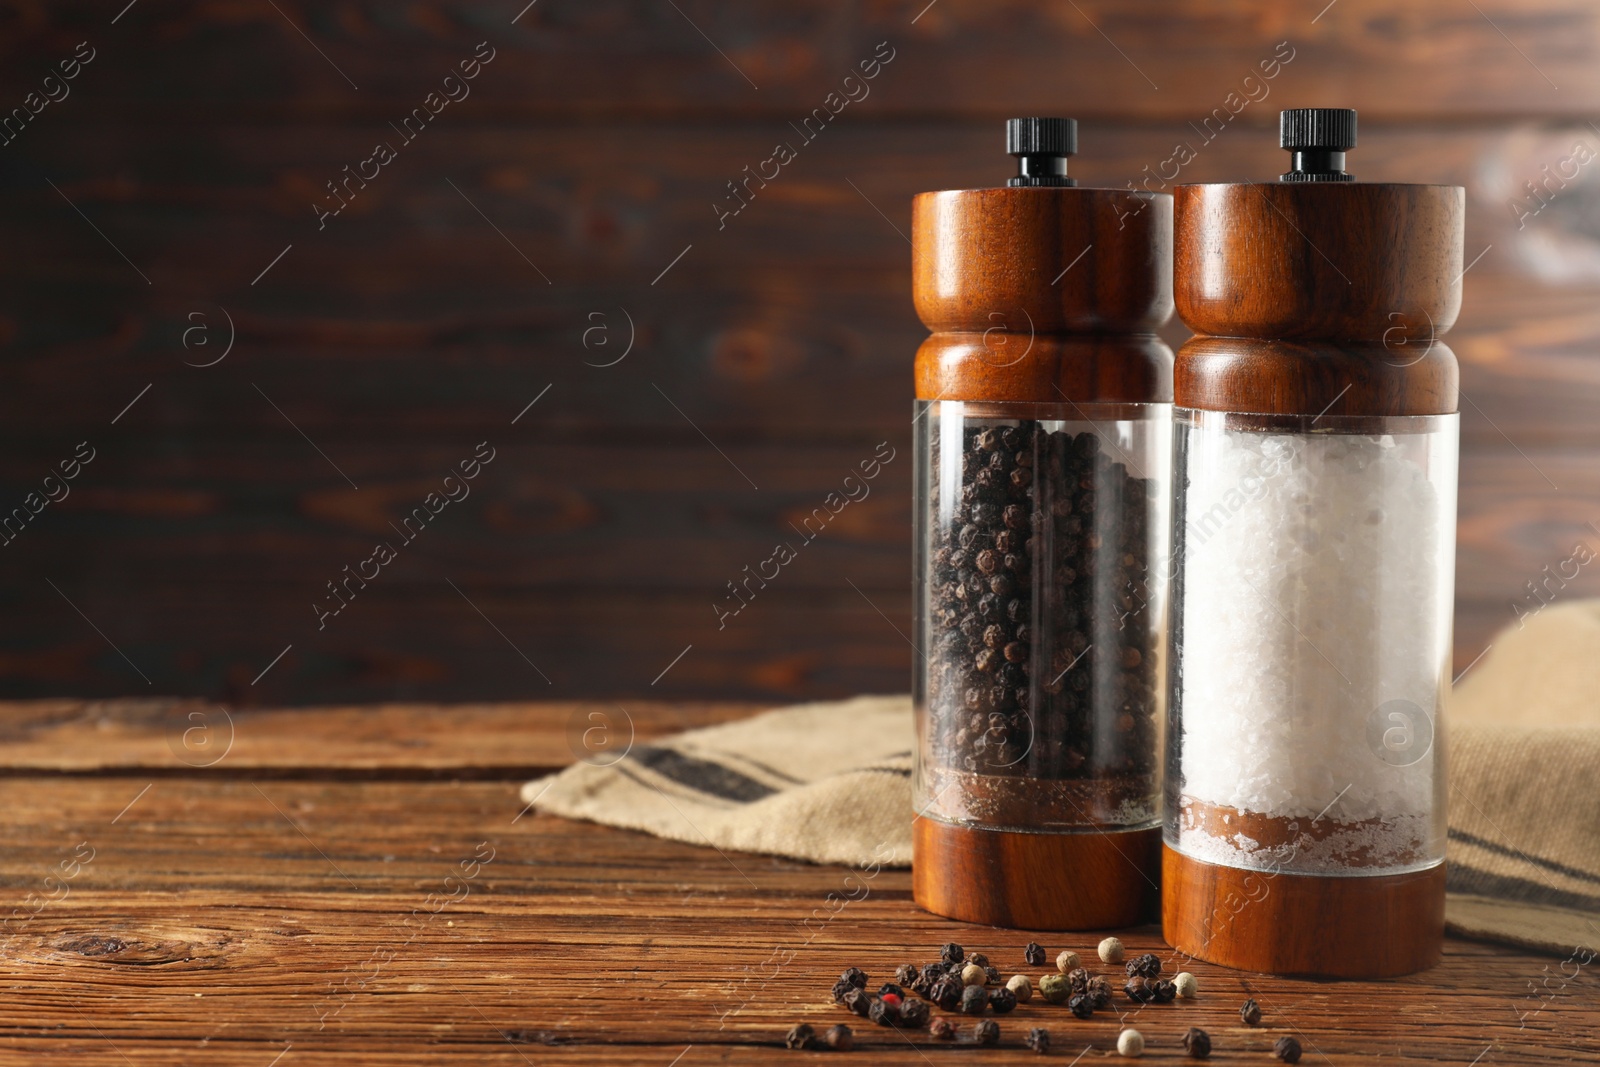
column 361, row 884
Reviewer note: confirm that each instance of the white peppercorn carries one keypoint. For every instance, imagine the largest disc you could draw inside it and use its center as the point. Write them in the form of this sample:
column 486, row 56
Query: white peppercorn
column 1111, row 952
column 1021, row 987
column 1186, row 985
column 972, row 974
column 1130, row 1042
column 1067, row 961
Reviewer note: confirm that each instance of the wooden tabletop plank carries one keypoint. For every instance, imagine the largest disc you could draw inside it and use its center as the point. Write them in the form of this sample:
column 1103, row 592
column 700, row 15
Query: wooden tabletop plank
column 163, row 736
column 332, row 917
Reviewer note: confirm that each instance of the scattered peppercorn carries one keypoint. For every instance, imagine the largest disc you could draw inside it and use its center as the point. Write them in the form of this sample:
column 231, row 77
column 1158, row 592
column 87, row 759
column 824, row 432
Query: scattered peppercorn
column 840, row 988
column 1197, row 1043
column 987, row 1031
column 1250, row 1012
column 935, row 971
column 972, row 974
column 973, row 1000
column 1130, row 1042
column 1053, row 988
column 858, row 1001
column 1100, row 991
column 839, row 1037
column 1186, row 984
column 979, row 958
column 855, row 976
column 1287, row 1049
column 1002, row 1000
column 1139, row 990
column 1039, row 1040
column 889, row 996
column 1078, row 980
column 1111, row 952
column 889, row 987
column 991, row 975
column 1163, row 991
column 1021, row 987
column 883, row 1012
column 801, row 1035
column 1067, row 961
column 946, row 992
column 1081, row 1004
column 914, row 1014
column 1145, row 966
column 942, row 1030
column 1033, row 955
column 951, row 952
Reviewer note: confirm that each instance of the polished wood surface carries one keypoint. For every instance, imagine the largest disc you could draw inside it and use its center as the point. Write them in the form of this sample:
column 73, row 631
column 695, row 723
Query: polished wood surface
column 242, row 912
column 1281, row 923
column 1324, row 261
column 1086, row 881
column 598, row 142
column 1317, row 378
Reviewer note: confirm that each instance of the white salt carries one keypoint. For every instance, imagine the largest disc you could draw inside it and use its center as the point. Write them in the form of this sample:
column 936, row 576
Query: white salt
column 1317, row 585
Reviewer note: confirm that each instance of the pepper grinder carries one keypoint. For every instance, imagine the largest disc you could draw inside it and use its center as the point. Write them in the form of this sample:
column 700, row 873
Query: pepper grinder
column 1043, row 455
column 1316, row 433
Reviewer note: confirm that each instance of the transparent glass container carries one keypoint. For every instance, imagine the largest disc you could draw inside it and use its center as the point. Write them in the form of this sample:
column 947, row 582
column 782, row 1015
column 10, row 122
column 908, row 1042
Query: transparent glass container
column 1042, row 535
column 1312, row 596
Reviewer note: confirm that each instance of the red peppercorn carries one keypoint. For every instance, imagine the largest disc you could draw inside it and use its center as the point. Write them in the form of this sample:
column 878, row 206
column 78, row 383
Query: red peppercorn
column 891, row 1000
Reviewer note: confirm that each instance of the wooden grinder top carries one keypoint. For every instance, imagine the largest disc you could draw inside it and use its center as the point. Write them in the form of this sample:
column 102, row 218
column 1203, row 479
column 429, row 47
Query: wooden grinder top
column 1316, row 294
column 1044, row 291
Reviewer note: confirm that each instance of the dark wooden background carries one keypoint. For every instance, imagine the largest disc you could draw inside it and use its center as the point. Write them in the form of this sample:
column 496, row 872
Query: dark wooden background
column 597, row 141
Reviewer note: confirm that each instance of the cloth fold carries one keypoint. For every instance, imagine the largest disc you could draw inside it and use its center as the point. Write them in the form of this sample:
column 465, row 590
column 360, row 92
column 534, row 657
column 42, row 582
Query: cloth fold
column 831, row 783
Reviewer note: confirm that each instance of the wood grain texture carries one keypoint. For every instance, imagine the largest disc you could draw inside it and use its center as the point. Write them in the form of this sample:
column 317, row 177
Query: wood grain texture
column 223, row 919
column 1085, row 881
column 1285, row 923
column 598, row 143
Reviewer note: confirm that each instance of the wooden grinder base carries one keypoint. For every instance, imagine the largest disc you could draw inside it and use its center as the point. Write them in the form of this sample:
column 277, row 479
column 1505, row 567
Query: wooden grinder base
column 1035, row 881
column 1304, row 924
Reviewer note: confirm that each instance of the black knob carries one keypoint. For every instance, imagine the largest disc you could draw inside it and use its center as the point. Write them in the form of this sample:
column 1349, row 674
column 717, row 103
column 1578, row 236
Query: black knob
column 1041, row 147
column 1318, row 137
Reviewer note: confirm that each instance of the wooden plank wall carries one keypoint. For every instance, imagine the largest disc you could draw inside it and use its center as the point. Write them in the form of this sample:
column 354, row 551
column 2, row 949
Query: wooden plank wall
column 145, row 211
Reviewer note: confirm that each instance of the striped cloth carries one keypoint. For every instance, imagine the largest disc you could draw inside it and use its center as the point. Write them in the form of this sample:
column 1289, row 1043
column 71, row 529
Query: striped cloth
column 830, row 783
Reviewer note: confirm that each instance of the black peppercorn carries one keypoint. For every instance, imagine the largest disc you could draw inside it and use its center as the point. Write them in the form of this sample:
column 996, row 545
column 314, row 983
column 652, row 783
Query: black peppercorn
column 884, row 1012
column 890, row 987
column 1100, row 991
column 1145, row 966
column 1078, row 980
column 974, row 1000
column 1081, row 1005
column 978, row 958
column 1164, row 992
column 1002, row 1000
column 905, row 974
column 914, row 1014
column 992, row 974
column 839, row 1037
column 942, row 1030
column 858, row 1001
column 801, row 1035
column 1287, row 1049
column 1033, row 955
column 947, row 992
column 1250, row 1012
column 1039, row 1040
column 855, row 976
column 1139, row 990
column 1197, row 1043
column 987, row 1031
column 840, row 988
column 935, row 971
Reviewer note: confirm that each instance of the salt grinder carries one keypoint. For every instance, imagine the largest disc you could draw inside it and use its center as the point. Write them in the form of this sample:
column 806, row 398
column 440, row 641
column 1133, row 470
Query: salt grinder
column 1043, row 456
column 1315, row 506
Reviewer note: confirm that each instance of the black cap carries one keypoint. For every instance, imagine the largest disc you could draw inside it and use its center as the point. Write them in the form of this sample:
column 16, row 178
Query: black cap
column 1041, row 147
column 1319, row 137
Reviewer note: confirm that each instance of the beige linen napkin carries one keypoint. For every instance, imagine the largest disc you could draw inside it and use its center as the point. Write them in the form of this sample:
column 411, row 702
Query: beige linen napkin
column 830, row 783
